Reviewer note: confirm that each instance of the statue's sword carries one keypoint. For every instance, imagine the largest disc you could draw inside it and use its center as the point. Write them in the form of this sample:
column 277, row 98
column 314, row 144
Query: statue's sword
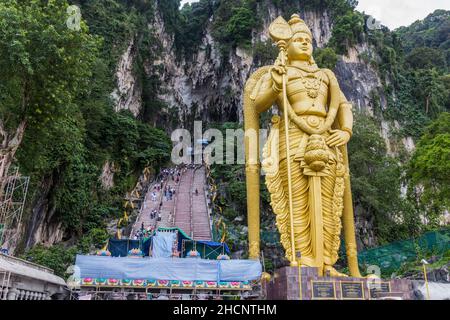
column 315, row 209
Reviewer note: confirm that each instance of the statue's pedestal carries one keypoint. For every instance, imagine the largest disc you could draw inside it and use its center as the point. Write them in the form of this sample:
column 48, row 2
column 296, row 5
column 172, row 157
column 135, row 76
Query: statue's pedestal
column 289, row 283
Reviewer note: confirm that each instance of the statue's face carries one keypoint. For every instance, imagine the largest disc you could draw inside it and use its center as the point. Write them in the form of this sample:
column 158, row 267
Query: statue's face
column 300, row 47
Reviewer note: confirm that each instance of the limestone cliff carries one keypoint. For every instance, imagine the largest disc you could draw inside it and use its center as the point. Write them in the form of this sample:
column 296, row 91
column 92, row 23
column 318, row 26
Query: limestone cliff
column 127, row 95
column 206, row 84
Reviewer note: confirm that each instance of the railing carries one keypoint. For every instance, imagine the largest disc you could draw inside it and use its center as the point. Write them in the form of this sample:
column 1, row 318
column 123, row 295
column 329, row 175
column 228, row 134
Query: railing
column 208, row 188
column 154, row 294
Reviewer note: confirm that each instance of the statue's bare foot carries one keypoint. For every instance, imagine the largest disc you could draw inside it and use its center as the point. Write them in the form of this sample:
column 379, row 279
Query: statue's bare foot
column 333, row 272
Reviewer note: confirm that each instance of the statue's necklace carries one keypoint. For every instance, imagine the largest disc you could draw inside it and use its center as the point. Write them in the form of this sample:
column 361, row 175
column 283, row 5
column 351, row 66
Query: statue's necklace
column 310, row 81
column 312, row 85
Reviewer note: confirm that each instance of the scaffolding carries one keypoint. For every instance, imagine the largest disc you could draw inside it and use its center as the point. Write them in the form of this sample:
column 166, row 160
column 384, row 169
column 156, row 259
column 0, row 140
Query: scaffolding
column 5, row 277
column 13, row 193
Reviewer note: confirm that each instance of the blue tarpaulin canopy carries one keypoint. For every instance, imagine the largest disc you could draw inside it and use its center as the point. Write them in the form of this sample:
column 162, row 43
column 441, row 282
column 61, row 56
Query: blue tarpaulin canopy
column 215, row 244
column 163, row 244
column 168, row 269
column 207, row 249
column 120, row 247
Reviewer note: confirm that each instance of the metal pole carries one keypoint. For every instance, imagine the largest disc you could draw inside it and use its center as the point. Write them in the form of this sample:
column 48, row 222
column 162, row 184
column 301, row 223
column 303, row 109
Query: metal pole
column 426, row 280
column 300, row 282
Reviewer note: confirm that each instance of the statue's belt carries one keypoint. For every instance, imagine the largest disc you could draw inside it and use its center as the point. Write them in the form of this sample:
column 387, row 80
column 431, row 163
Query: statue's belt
column 313, row 121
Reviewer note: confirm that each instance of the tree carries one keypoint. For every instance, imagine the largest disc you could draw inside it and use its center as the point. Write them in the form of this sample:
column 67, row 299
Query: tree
column 234, row 21
column 241, row 24
column 376, row 183
column 347, row 31
column 426, row 58
column 57, row 258
column 45, row 65
column 429, row 90
column 326, row 58
column 429, row 167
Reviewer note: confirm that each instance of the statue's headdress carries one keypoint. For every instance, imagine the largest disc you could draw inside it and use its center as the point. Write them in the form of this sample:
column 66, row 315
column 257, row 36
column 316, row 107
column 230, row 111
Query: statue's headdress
column 298, row 25
column 282, row 31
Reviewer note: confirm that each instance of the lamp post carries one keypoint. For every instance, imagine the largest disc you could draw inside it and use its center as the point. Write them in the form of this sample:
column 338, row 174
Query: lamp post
column 424, row 263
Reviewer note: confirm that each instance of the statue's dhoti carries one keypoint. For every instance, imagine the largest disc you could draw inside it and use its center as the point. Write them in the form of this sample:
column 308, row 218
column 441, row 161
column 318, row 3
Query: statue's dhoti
column 317, row 196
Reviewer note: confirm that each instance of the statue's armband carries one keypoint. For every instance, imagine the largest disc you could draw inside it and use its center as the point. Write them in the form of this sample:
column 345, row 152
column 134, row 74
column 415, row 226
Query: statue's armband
column 331, row 76
column 345, row 115
column 263, row 94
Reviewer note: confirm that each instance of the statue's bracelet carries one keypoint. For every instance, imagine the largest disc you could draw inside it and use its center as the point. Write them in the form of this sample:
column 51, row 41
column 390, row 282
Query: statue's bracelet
column 348, row 130
column 276, row 89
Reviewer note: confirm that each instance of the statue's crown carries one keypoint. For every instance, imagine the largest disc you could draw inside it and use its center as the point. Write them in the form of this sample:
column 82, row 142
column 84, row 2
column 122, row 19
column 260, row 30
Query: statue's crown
column 298, row 25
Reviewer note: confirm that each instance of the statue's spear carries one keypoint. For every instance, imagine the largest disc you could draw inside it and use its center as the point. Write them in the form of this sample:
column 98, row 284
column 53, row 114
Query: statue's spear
column 281, row 32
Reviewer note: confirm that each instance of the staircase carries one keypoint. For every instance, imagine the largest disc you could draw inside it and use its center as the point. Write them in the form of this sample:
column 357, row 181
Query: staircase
column 147, row 207
column 201, row 229
column 191, row 213
column 187, row 210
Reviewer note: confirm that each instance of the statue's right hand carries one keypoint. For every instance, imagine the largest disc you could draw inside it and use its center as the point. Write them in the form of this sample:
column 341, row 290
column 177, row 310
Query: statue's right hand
column 276, row 73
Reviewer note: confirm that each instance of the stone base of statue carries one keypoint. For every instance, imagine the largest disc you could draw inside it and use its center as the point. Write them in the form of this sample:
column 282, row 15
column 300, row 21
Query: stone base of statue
column 293, row 283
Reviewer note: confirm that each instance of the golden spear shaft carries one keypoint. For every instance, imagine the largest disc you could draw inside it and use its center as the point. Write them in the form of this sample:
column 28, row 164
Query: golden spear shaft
column 282, row 46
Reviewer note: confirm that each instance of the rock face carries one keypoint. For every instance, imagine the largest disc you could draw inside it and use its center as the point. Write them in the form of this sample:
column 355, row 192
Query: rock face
column 359, row 80
column 107, row 176
column 364, row 226
column 439, row 275
column 208, row 85
column 127, row 95
column 42, row 227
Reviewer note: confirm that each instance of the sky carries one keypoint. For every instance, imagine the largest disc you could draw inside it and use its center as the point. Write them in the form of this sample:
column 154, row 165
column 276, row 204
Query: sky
column 396, row 13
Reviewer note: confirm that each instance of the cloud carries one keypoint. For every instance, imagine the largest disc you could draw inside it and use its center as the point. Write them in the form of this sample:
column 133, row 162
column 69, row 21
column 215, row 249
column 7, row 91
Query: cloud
column 394, row 14
column 187, row 1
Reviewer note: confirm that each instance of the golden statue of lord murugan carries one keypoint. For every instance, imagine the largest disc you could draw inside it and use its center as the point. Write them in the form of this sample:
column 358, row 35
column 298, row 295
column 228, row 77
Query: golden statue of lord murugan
column 305, row 158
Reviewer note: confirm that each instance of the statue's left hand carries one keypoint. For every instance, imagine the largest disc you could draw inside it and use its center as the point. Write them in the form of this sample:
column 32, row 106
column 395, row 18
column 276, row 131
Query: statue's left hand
column 338, row 138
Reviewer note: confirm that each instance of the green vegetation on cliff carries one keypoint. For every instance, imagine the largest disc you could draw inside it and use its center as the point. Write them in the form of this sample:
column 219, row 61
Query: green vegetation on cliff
column 64, row 79
column 429, row 168
column 234, row 22
column 432, row 32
